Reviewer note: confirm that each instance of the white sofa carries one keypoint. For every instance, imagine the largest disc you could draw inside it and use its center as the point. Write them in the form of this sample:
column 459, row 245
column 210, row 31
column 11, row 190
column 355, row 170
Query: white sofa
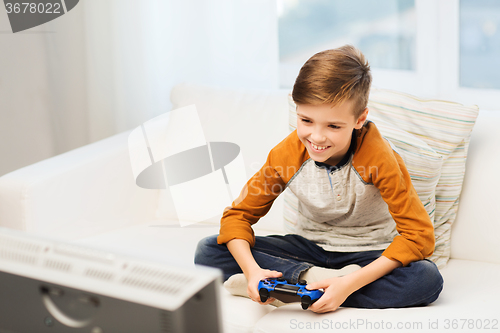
column 89, row 196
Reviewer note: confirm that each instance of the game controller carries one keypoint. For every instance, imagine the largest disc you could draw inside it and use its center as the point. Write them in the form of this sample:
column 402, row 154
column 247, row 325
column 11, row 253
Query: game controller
column 280, row 289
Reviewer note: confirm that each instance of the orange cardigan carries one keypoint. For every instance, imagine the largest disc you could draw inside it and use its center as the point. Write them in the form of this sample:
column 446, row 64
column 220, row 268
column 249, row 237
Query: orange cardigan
column 375, row 205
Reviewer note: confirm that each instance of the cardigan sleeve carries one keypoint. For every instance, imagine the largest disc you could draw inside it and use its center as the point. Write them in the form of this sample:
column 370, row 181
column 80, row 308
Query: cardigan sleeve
column 259, row 193
column 254, row 202
column 416, row 238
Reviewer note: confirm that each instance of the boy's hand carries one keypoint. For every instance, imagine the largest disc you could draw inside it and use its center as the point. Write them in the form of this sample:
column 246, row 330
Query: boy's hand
column 337, row 289
column 253, row 283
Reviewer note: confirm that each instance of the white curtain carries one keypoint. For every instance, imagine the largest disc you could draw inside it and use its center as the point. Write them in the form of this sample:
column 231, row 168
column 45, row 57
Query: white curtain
column 109, row 65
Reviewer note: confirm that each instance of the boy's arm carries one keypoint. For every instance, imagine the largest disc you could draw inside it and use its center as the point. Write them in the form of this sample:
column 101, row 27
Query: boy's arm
column 416, row 238
column 388, row 172
column 339, row 288
column 416, row 233
column 414, row 242
column 240, row 249
column 261, row 190
column 254, row 201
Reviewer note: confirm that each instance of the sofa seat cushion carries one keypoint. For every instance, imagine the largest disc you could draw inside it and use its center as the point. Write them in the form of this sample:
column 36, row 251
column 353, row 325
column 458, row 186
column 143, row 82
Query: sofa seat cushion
column 239, row 314
column 168, row 242
column 470, row 293
column 158, row 240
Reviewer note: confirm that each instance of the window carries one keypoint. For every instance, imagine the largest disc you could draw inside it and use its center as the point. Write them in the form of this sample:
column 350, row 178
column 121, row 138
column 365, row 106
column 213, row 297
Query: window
column 383, row 30
column 445, row 49
column 480, row 44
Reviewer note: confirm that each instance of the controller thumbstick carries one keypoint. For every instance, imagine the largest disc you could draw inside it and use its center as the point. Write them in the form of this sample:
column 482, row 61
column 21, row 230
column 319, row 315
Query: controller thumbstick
column 305, row 302
column 281, row 279
column 264, row 295
column 302, row 282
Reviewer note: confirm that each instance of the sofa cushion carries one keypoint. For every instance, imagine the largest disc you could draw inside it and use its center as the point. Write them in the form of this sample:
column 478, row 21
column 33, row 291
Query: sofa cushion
column 423, row 163
column 239, row 314
column 470, row 291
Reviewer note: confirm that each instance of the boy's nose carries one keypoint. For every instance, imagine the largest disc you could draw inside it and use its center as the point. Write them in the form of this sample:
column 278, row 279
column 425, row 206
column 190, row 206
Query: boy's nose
column 318, row 138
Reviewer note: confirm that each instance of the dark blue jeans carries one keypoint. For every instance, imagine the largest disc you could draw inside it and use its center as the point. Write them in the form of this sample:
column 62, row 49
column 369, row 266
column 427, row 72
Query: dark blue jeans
column 416, row 284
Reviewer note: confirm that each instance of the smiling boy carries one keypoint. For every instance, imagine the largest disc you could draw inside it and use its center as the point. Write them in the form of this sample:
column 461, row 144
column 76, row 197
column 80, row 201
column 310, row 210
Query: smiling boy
column 357, row 205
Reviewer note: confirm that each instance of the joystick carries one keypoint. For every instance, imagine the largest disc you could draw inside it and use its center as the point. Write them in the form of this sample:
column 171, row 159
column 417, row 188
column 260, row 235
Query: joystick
column 286, row 292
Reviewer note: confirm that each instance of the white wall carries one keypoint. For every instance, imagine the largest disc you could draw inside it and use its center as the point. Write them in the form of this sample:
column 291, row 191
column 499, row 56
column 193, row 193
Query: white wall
column 107, row 66
column 42, row 92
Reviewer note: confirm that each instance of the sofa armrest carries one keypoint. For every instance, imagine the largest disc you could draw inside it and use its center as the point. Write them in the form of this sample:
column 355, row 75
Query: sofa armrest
column 80, row 193
column 474, row 234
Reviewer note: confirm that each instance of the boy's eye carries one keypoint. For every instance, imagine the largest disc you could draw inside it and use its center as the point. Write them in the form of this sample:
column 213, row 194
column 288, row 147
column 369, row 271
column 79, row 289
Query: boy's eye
column 308, row 121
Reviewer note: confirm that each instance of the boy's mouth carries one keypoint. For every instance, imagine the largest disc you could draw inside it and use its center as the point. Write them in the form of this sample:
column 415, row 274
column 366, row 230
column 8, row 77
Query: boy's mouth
column 317, row 149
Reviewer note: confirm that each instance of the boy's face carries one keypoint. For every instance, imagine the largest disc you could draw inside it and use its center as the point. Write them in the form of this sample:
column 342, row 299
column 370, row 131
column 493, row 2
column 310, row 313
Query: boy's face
column 326, row 131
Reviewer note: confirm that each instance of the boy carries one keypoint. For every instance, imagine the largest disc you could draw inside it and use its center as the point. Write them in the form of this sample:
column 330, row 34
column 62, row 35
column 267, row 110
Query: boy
column 357, row 204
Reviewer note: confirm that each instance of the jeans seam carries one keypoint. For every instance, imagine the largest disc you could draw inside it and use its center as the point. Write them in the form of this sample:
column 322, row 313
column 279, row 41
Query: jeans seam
column 302, row 266
column 296, row 273
column 280, row 255
column 277, row 257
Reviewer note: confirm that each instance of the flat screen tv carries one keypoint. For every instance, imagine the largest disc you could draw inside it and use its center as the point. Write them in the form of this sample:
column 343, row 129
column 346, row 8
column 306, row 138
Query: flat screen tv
column 52, row 286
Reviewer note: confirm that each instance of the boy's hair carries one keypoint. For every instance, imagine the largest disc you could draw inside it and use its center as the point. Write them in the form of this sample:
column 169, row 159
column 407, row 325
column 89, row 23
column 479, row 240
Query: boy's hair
column 334, row 76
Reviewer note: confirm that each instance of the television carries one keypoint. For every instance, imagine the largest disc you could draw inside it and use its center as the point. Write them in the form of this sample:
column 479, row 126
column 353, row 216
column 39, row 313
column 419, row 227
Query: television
column 48, row 285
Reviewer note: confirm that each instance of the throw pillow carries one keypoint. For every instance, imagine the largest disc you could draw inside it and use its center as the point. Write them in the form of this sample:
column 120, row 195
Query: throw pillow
column 446, row 127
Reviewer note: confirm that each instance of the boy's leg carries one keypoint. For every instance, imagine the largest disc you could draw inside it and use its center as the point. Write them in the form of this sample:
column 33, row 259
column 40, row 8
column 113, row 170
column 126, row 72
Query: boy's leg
column 289, row 254
column 417, row 284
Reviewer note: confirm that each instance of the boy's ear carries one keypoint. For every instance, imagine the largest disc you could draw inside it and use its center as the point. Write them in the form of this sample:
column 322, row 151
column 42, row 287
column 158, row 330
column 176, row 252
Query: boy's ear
column 362, row 118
